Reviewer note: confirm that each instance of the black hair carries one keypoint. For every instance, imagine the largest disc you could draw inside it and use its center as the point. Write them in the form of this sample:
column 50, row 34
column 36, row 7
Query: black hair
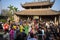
column 31, row 35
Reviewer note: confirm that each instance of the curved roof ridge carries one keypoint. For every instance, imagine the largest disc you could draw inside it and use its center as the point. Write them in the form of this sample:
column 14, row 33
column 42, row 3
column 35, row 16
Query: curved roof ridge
column 37, row 12
column 37, row 4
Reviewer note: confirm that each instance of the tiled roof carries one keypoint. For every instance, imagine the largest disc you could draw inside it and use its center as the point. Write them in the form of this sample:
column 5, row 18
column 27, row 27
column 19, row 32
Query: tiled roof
column 37, row 12
column 37, row 4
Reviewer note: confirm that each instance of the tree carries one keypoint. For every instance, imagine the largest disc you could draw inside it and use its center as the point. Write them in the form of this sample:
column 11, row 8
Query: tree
column 15, row 9
column 12, row 9
column 4, row 12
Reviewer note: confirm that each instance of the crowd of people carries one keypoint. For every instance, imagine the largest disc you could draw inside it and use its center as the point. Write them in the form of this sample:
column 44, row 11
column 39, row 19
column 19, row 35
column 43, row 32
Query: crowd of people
column 31, row 30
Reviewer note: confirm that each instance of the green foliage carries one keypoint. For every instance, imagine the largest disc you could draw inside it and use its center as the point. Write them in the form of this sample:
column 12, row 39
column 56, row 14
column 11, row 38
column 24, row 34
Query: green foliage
column 15, row 9
column 11, row 18
column 12, row 9
column 2, row 20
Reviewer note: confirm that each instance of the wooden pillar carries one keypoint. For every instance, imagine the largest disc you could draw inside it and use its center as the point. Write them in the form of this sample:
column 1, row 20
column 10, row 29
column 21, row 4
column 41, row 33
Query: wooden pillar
column 55, row 20
column 59, row 19
column 40, row 18
column 28, row 19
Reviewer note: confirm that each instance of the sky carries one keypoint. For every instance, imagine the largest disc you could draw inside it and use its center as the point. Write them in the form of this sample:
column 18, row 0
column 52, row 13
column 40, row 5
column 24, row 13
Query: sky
column 17, row 3
column 0, row 7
